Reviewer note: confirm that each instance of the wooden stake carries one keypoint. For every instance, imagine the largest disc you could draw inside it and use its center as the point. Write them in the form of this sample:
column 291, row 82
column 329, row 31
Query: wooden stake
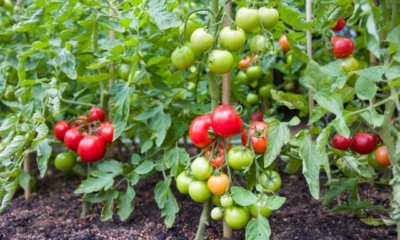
column 309, row 52
column 27, row 169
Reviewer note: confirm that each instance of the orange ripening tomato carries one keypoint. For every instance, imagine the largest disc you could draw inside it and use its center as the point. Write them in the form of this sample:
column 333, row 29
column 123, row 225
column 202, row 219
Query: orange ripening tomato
column 284, row 43
column 218, row 185
column 382, row 156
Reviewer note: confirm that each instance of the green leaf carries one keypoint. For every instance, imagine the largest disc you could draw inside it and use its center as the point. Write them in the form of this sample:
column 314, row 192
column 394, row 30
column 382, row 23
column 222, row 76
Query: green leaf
column 311, row 164
column 376, row 222
column 95, row 184
column 338, row 187
column 372, row 73
column 274, row 202
column 94, row 78
column 24, row 179
column 16, row 145
column 135, row 159
column 166, row 202
column 66, row 62
column 280, row 132
column 373, row 118
column 365, row 88
column 175, row 158
column 146, row 146
column 107, row 210
column 160, row 123
column 293, row 17
column 321, row 142
column 144, row 168
column 243, row 197
column 161, row 16
column 291, row 100
column 121, row 102
column 314, row 76
column 258, row 229
column 126, row 203
column 44, row 151
column 9, row 190
column 332, row 102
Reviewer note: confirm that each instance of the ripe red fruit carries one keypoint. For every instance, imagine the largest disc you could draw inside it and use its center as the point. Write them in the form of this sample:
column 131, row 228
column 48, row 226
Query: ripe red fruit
column 225, row 121
column 91, row 149
column 340, row 23
column 257, row 116
column 343, row 47
column 82, row 119
column 198, row 131
column 258, row 137
column 96, row 114
column 382, row 156
column 60, row 129
column 341, row 142
column 284, row 43
column 72, row 138
column 363, row 143
column 216, row 156
column 106, row 132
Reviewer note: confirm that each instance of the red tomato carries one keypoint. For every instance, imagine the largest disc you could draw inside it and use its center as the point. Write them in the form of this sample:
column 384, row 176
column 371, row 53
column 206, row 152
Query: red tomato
column 225, row 121
column 96, row 114
column 257, row 116
column 340, row 23
column 343, row 47
column 216, row 156
column 91, row 149
column 82, row 119
column 245, row 63
column 382, row 156
column 258, row 137
column 341, row 142
column 72, row 138
column 284, row 43
column 198, row 131
column 334, row 39
column 60, row 129
column 106, row 132
column 363, row 143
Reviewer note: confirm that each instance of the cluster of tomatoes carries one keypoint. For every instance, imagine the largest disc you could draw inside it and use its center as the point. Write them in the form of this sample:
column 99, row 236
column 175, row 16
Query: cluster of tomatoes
column 363, row 143
column 206, row 178
column 87, row 135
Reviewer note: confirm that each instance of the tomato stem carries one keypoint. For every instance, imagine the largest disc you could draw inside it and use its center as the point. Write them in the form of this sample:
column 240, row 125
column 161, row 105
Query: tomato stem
column 76, row 102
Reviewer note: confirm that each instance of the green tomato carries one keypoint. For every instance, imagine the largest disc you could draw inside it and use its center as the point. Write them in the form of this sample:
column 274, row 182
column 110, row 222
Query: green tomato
column 220, row 61
column 201, row 40
column 240, row 157
column 182, row 57
column 65, row 162
column 123, row 71
column 201, row 168
column 253, row 84
column 10, row 93
column 270, row 181
column 269, row 17
column 226, row 201
column 252, row 98
column 242, row 77
column 236, row 217
column 247, row 19
column 254, row 72
column 373, row 163
column 289, row 86
column 182, row 182
column 350, row 64
column 259, row 44
column 190, row 27
column 216, row 200
column 199, row 192
column 264, row 211
column 216, row 213
column 232, row 39
column 265, row 91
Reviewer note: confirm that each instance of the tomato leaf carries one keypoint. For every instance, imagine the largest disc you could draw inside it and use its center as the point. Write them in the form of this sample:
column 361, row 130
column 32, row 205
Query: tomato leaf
column 242, row 196
column 144, row 168
column 365, row 88
column 280, row 132
column 258, row 229
column 274, row 202
column 7, row 193
column 337, row 187
column 161, row 16
column 107, row 210
column 175, row 158
column 330, row 101
column 44, row 151
column 293, row 17
column 166, row 202
column 121, row 107
column 67, row 62
column 126, row 203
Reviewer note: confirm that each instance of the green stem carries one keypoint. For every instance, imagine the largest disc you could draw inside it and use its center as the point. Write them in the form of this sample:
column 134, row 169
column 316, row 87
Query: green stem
column 202, row 222
column 376, row 104
column 77, row 102
column 85, row 204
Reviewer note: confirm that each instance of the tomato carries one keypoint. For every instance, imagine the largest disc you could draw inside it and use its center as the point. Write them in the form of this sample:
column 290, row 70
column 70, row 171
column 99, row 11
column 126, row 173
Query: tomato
column 225, row 121
column 382, row 156
column 182, row 182
column 81, row 120
column 340, row 23
column 226, row 201
column 216, row 161
column 341, row 142
column 343, row 47
column 190, row 27
column 218, row 184
column 256, row 116
column 242, row 77
column 91, row 149
column 240, row 157
column 198, row 131
column 220, row 61
column 269, row 17
column 96, row 114
column 60, row 128
column 258, row 137
column 252, row 98
column 216, row 200
column 270, row 181
column 236, row 217
column 259, row 44
column 247, row 19
column 363, row 143
column 264, row 211
column 334, row 39
column 373, row 162
column 72, row 138
column 216, row 213
column 65, row 162
column 289, row 85
column 283, row 42
column 232, row 39
column 201, row 40
column 265, row 91
column 105, row 131
column 9, row 95
column 268, row 78
column 182, row 57
column 350, row 64
column 245, row 63
column 123, row 71
column 199, row 192
column 254, row 72
column 201, row 168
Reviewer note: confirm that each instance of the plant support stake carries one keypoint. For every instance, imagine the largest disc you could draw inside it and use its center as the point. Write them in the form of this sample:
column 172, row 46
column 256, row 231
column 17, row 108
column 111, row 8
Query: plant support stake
column 309, row 52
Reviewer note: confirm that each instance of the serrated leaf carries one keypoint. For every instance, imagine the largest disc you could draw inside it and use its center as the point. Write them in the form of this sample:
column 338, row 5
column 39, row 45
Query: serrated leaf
column 258, row 229
column 280, row 132
column 66, row 62
column 274, row 202
column 293, row 17
column 373, row 118
column 311, row 164
column 166, row 202
column 330, row 101
column 314, row 76
column 24, row 179
column 338, row 187
column 9, row 190
column 16, row 145
column 291, row 100
column 107, row 210
column 44, row 151
column 159, row 14
column 121, row 107
column 175, row 158
column 243, row 197
column 145, row 167
column 126, row 203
